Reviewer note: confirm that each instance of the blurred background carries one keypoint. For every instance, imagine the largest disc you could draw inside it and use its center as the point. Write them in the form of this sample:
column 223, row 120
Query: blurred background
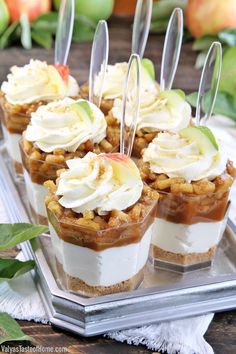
column 31, row 24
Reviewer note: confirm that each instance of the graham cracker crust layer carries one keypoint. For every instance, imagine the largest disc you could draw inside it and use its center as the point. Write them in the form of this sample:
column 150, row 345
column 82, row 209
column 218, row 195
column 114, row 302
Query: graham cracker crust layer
column 39, row 219
column 180, row 258
column 79, row 286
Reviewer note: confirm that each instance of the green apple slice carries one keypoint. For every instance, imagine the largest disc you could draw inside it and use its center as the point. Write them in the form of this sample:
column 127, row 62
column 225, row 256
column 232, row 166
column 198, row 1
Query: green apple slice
column 173, row 97
column 202, row 136
column 148, row 67
column 84, row 110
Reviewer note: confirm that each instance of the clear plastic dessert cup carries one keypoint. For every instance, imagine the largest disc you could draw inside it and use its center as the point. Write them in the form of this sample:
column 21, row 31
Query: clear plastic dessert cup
column 188, row 229
column 36, row 171
column 95, row 261
column 39, row 167
column 15, row 119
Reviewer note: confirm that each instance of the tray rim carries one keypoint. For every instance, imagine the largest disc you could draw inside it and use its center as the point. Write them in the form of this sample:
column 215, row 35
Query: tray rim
column 52, row 296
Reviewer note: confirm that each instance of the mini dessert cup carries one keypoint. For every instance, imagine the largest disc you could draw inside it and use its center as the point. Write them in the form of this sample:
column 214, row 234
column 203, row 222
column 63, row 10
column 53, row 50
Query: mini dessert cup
column 100, row 255
column 39, row 167
column 26, row 88
column 188, row 229
column 191, row 219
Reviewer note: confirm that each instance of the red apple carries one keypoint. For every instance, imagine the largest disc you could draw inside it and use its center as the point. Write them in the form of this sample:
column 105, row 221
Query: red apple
column 210, row 16
column 32, row 8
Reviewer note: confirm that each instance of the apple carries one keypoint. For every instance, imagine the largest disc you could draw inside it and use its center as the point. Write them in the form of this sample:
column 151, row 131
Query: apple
column 32, row 8
column 210, row 16
column 95, row 10
column 4, row 16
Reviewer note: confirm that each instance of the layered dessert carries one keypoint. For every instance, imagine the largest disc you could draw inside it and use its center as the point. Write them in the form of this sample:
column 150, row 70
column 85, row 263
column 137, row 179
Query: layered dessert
column 27, row 88
column 113, row 86
column 193, row 177
column 100, row 219
column 59, row 131
column 159, row 111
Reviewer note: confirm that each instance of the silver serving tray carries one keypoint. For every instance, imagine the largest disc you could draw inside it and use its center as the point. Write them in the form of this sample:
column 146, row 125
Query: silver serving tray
column 162, row 296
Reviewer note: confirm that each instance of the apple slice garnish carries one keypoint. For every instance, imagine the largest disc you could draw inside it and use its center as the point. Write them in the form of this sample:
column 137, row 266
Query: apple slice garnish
column 123, row 166
column 64, row 71
column 202, row 136
column 83, row 109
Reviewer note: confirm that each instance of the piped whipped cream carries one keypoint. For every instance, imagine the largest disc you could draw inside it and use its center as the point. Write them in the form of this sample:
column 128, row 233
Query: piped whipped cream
column 100, row 182
column 176, row 156
column 37, row 81
column 113, row 85
column 159, row 111
column 66, row 124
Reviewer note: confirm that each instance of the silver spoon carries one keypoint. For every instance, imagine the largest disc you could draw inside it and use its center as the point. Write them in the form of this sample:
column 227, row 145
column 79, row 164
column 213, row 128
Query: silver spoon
column 141, row 26
column 171, row 50
column 210, row 74
column 131, row 86
column 64, row 31
column 98, row 62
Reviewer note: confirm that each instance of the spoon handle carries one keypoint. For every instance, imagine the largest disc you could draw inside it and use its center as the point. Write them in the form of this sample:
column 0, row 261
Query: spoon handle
column 98, row 62
column 131, row 97
column 141, row 26
column 64, row 31
column 210, row 76
column 171, row 50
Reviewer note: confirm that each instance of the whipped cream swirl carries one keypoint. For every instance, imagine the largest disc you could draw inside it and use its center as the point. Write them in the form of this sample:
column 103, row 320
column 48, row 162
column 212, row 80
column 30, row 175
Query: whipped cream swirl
column 66, row 124
column 159, row 111
column 113, row 85
column 100, row 182
column 37, row 81
column 178, row 157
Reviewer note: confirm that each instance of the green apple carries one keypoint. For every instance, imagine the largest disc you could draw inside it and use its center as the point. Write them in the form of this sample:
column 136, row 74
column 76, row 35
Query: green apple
column 202, row 136
column 4, row 16
column 95, row 10
column 148, row 66
column 84, row 110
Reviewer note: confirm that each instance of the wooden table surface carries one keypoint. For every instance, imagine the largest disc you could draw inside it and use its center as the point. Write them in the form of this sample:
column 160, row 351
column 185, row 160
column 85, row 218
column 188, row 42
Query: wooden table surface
column 222, row 331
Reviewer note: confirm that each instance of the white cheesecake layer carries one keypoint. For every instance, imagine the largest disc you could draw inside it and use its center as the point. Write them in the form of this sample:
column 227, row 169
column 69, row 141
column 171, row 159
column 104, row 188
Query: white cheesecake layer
column 12, row 144
column 36, row 194
column 102, row 268
column 184, row 239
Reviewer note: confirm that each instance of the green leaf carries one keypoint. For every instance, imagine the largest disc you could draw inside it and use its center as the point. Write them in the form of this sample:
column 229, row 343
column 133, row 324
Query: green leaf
column 42, row 38
column 10, row 330
column 192, row 98
column 82, row 32
column 13, row 268
column 225, row 104
column 13, row 234
column 46, row 23
column 25, row 32
column 228, row 73
column 10, row 35
column 204, row 43
column 159, row 26
column 228, row 37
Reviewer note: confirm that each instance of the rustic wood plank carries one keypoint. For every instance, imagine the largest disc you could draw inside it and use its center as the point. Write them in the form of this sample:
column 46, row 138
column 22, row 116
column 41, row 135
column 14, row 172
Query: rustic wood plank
column 222, row 332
